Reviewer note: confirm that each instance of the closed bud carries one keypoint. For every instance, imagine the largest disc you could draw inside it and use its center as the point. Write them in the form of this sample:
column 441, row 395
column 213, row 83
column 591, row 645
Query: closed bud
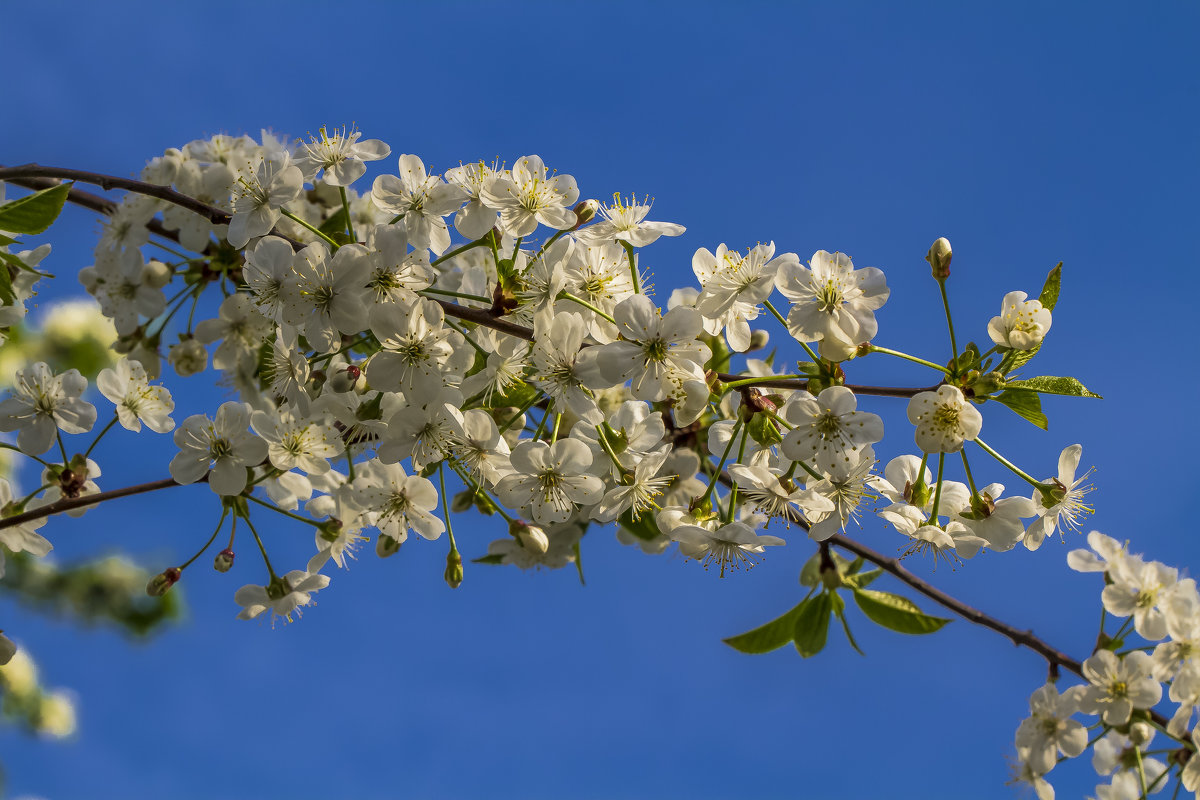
column 224, row 560
column 386, row 546
column 939, row 258
column 531, row 537
column 990, row 383
column 343, row 379
column 585, row 210
column 758, row 340
column 454, row 569
column 156, row 274
column 188, row 358
column 1140, row 734
column 161, row 583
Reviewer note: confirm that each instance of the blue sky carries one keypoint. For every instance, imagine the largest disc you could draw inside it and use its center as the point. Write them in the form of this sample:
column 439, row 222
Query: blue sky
column 1027, row 133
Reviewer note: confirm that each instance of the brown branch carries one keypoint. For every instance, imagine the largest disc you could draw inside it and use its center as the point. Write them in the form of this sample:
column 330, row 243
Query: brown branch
column 70, row 503
column 1054, row 657
column 213, row 214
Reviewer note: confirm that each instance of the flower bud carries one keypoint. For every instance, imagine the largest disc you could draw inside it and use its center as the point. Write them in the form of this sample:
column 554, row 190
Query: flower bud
column 939, row 258
column 531, row 537
column 386, row 546
column 156, row 274
column 7, row 649
column 224, row 560
column 188, row 357
column 344, row 378
column 161, row 583
column 585, row 210
column 454, row 569
column 758, row 340
column 1140, row 734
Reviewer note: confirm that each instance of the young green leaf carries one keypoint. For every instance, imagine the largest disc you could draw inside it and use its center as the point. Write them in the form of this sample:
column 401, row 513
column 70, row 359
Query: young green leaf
column 1049, row 384
column 644, row 527
column 35, row 212
column 1049, row 296
column 770, row 636
column 810, row 573
column 863, row 579
column 839, row 608
column 1026, row 403
column 896, row 613
column 491, row 558
column 812, row 624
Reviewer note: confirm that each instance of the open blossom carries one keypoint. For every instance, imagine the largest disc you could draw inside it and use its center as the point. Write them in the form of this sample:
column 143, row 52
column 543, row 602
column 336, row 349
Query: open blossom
column 125, row 385
column 1049, row 730
column 626, row 222
column 273, row 184
column 475, row 219
column 23, row 537
column 43, row 403
column 944, row 419
column 832, row 303
column 829, row 428
column 550, row 479
column 224, row 445
column 1022, row 323
column 423, row 199
column 397, row 502
column 656, row 351
column 341, row 155
column 282, row 596
column 1119, row 684
column 531, row 196
column 1063, row 504
column 730, row 546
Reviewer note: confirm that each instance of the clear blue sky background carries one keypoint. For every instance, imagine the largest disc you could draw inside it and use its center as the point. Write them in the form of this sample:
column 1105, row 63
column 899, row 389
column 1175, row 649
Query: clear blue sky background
column 1027, row 133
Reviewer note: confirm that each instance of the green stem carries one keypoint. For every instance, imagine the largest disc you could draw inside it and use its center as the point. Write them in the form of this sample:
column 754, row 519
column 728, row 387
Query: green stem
column 520, row 411
column 607, row 447
column 100, row 436
column 173, row 252
column 937, row 492
column 754, row 381
column 712, row 484
column 200, row 552
column 731, row 508
column 279, row 510
column 62, row 448
column 554, row 433
column 479, row 490
column 317, row 231
column 1141, row 771
column 261, row 548
column 949, row 319
column 477, row 298
column 587, row 305
column 1017, row 470
column 346, row 208
column 967, row 468
column 16, row 449
column 469, row 340
column 446, row 505
column 783, row 321
column 633, row 270
column 913, row 359
column 456, row 251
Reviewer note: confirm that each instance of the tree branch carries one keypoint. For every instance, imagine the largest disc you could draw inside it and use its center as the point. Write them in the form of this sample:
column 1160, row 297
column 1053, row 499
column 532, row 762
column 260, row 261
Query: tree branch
column 69, row 503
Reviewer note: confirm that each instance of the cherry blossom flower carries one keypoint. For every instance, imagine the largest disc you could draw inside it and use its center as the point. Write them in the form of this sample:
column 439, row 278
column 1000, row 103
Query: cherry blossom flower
column 1022, row 323
column 944, row 419
column 832, row 303
column 43, row 403
column 224, row 445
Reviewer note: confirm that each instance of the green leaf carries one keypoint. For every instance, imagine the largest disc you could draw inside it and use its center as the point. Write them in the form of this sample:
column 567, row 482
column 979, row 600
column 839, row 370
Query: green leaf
column 335, row 224
column 862, row 579
column 1049, row 384
column 6, row 240
column 896, row 613
column 35, row 212
column 1050, row 288
column 492, row 558
column 812, row 624
column 7, row 296
column 810, row 573
column 769, row 636
column 839, row 608
column 763, row 430
column 644, row 527
column 1025, row 402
